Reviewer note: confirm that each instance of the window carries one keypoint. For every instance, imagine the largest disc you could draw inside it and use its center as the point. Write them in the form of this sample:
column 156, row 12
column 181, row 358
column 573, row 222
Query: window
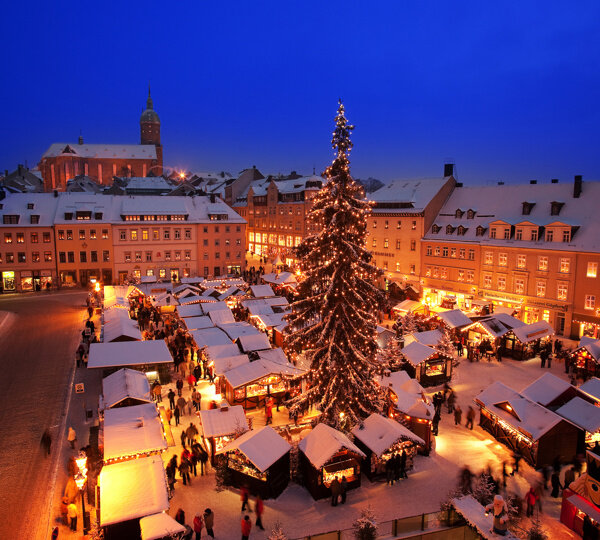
column 461, row 230
column 7, row 238
column 93, row 256
column 82, row 256
column 453, row 252
column 534, row 235
column 238, row 241
column 437, row 251
column 34, row 219
column 10, row 257
column 519, row 234
column 461, row 274
column 205, row 256
column 385, row 265
column 92, row 234
column 386, row 243
column 519, row 285
column 501, row 283
column 461, row 253
column 162, row 273
column 20, row 238
column 138, row 256
column 386, row 225
column 166, row 234
column 502, row 259
column 566, row 235
column 543, row 263
column 493, row 232
column 487, row 281
column 435, row 229
column 150, row 272
column 470, row 214
column 427, row 270
column 521, row 261
column 470, row 276
column 35, row 256
column 34, row 238
column 374, row 243
column 205, row 231
column 507, row 234
column 550, row 235
column 105, row 234
column 10, row 220
column 480, row 230
column 471, row 254
column 188, row 255
column 167, row 255
column 133, row 234
column 590, row 301
column 414, row 226
column 205, row 242
column 145, row 234
column 62, row 257
column 413, row 245
column 374, row 223
column 436, row 272
column 540, row 289
column 445, row 251
column 148, row 256
column 177, row 234
column 592, row 269
column 122, row 235
column 562, row 290
column 47, row 256
column 217, row 255
column 218, row 242
column 399, row 225
column 155, row 234
column 188, row 233
column 127, row 256
column 428, row 249
column 46, row 237
column 81, row 234
column 105, row 256
column 565, row 265
column 444, row 273
column 489, row 257
column 71, row 256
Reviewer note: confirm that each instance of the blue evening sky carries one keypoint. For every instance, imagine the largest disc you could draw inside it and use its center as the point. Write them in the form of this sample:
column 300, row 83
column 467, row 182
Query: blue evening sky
column 507, row 90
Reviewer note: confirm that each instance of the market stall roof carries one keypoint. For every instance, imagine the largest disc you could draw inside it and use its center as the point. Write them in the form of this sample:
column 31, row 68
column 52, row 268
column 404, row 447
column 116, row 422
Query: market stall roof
column 281, row 278
column 209, row 307
column 115, row 314
column 222, row 351
column 254, row 342
column 148, row 279
column 454, row 318
column 132, row 489
column 408, row 305
column 231, row 291
column 192, row 299
column 274, row 355
column 194, row 279
column 224, row 282
column 508, row 320
column 591, row 345
column 183, row 289
column 474, row 514
column 253, row 371
column 528, row 417
column 270, row 320
column 220, row 422
column 409, row 394
column 262, row 447
column 262, row 291
column 383, row 336
column 114, row 301
column 379, row 433
column 493, row 326
column 505, row 310
column 198, row 323
column 132, row 430
column 194, row 310
column 123, row 384
column 430, row 338
column 591, row 388
column 416, row 352
column 208, row 337
column 159, row 526
column 323, row 442
column 584, row 506
column 221, row 316
column 128, row 353
column 545, row 389
column 534, row 331
column 120, row 328
column 236, row 329
column 227, row 363
column 164, row 299
column 581, row 413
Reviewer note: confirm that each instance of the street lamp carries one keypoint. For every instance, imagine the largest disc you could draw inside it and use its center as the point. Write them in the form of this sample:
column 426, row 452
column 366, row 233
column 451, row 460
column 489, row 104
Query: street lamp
column 80, row 479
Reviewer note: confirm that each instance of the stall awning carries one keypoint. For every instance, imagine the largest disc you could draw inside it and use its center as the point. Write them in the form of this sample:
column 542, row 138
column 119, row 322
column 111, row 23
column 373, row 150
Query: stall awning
column 159, row 526
column 262, row 447
column 128, row 353
column 531, row 332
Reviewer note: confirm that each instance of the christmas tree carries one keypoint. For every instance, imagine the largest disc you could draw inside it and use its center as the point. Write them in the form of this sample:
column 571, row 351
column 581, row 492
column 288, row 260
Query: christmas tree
column 277, row 532
column 391, row 356
column 334, row 322
column 406, row 324
column 446, row 344
column 365, row 527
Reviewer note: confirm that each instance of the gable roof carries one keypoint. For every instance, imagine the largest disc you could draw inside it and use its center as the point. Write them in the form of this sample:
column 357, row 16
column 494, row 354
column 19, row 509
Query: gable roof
column 323, row 442
column 582, row 414
column 254, row 342
column 219, row 422
column 123, row 384
column 454, row 318
column 531, row 332
column 545, row 389
column 379, row 433
column 123, row 151
column 416, row 352
column 591, row 388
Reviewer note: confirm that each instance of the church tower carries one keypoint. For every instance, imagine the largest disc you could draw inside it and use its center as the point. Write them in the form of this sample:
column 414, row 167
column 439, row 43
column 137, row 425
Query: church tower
column 150, row 131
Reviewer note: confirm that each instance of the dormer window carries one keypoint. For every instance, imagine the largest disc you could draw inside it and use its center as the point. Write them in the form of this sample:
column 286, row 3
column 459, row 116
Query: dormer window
column 470, row 214
column 449, row 229
column 30, row 206
column 506, row 406
column 480, row 231
column 435, row 229
column 68, row 150
column 527, row 207
column 549, row 235
column 493, row 232
column 461, row 230
column 459, row 213
column 34, row 219
column 555, row 208
column 68, row 216
column 98, row 215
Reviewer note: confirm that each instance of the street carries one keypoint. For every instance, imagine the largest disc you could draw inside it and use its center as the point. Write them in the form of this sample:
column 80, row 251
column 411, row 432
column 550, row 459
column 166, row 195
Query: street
column 37, row 343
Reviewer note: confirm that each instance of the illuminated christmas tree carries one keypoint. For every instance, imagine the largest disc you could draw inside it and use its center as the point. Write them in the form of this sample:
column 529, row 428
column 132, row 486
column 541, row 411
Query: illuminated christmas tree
column 334, row 322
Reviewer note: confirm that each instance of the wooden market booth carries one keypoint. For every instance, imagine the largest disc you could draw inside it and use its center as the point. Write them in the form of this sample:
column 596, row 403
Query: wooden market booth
column 220, row 426
column 161, row 526
column 586, row 357
column 520, row 343
column 124, row 388
column 382, row 438
column 259, row 459
column 537, row 433
column 492, row 329
column 585, row 416
column 325, row 454
column 550, row 391
column 429, row 366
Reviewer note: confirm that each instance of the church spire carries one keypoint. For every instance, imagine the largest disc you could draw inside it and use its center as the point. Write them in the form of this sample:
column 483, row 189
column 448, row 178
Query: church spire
column 149, row 104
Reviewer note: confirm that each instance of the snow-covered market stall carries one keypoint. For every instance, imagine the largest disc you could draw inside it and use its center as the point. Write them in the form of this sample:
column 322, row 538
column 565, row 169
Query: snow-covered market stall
column 325, row 454
column 476, row 516
column 429, row 366
column 408, row 404
column 580, row 509
column 526, row 339
column 220, row 426
column 382, row 439
column 161, row 526
column 259, row 459
column 124, row 388
column 586, row 357
column 525, row 426
column 128, row 491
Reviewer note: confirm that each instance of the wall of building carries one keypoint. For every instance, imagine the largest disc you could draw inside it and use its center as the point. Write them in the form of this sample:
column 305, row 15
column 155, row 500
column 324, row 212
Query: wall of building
column 586, row 298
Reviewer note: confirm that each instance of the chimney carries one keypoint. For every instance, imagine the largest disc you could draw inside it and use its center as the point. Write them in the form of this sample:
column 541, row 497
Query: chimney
column 213, row 198
column 554, row 181
column 55, row 193
column 533, row 182
column 20, row 170
column 448, row 169
column 577, row 186
column 80, row 141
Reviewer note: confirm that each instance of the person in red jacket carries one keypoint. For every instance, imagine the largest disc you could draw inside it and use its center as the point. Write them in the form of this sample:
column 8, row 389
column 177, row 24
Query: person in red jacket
column 246, row 526
column 260, row 508
column 531, row 498
column 198, row 524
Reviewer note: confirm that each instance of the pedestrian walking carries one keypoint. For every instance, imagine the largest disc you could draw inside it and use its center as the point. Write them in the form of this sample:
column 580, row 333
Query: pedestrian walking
column 197, row 399
column 389, row 471
column 169, row 415
column 555, row 483
column 336, row 489
column 179, row 386
column 569, row 476
column 435, row 422
column 403, row 458
column 171, row 396
column 246, row 527
column 71, row 437
column 457, row 415
column 517, row 457
column 157, row 392
column 259, row 508
column 183, row 437
column 190, row 406
column 470, row 417
column 191, row 381
column 198, row 525
column 269, row 412
column 450, row 401
column 54, row 535
column 209, row 521
column 46, row 442
column 180, row 517
column 184, row 472
column 176, row 414
column 244, row 498
column 182, row 404
column 64, row 510
column 72, row 513
column 530, row 499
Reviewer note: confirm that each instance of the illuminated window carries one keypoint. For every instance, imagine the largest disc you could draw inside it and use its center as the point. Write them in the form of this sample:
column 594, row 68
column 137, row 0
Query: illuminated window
column 487, row 281
column 138, row 256
column 105, row 234
column 565, row 265
column 543, row 263
column 34, row 238
column 436, row 271
column 69, row 235
column 399, row 225
column 397, row 267
column 46, row 237
column 145, row 234
column 428, row 249
column 461, row 253
column 546, row 315
column 540, row 289
column 163, row 273
column 133, row 234
column 398, row 245
column 444, row 273
column 501, row 283
column 81, row 234
column 561, row 291
column 590, row 301
column 461, row 274
column 251, row 237
column 470, row 276
column 521, row 261
column 93, row 234
column 20, row 238
column 519, row 285
column 437, row 251
column 453, row 252
column 386, row 225
column 414, row 226
column 150, row 272
column 8, row 238
column 502, row 259
column 592, row 269
column 47, row 256
column 413, row 245
column 385, row 265
column 386, row 242
column 374, row 243
column 427, row 270
column 489, row 257
column 35, row 256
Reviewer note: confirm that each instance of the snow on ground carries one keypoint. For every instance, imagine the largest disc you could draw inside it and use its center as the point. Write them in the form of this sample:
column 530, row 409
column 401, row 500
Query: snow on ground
column 428, row 484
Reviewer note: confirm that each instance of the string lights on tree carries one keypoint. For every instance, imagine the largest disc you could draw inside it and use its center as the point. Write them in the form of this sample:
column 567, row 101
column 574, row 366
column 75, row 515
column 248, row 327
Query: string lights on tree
column 334, row 321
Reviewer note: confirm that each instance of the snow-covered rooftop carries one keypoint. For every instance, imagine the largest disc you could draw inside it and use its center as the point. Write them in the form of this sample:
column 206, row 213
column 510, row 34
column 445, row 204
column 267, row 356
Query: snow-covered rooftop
column 44, row 206
column 208, row 337
column 545, row 389
column 379, row 433
column 254, row 342
column 430, row 337
column 107, row 151
column 416, row 194
column 530, row 332
column 197, row 323
column 132, row 489
column 280, row 278
column 591, row 345
column 122, row 328
column 221, row 316
column 128, row 353
column 323, row 442
column 253, row 371
column 159, row 526
column 219, row 422
column 581, row 413
column 123, row 384
column 274, row 355
column 409, row 394
column 227, row 363
column 454, row 318
column 221, row 351
column 236, row 329
column 208, row 307
column 407, row 305
column 416, row 352
column 132, row 430
column 591, row 387
column 193, row 310
column 475, row 515
column 262, row 447
column 262, row 291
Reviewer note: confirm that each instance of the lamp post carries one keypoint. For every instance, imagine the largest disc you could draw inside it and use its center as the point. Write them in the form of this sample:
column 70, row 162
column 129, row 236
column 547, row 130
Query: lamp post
column 80, row 480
